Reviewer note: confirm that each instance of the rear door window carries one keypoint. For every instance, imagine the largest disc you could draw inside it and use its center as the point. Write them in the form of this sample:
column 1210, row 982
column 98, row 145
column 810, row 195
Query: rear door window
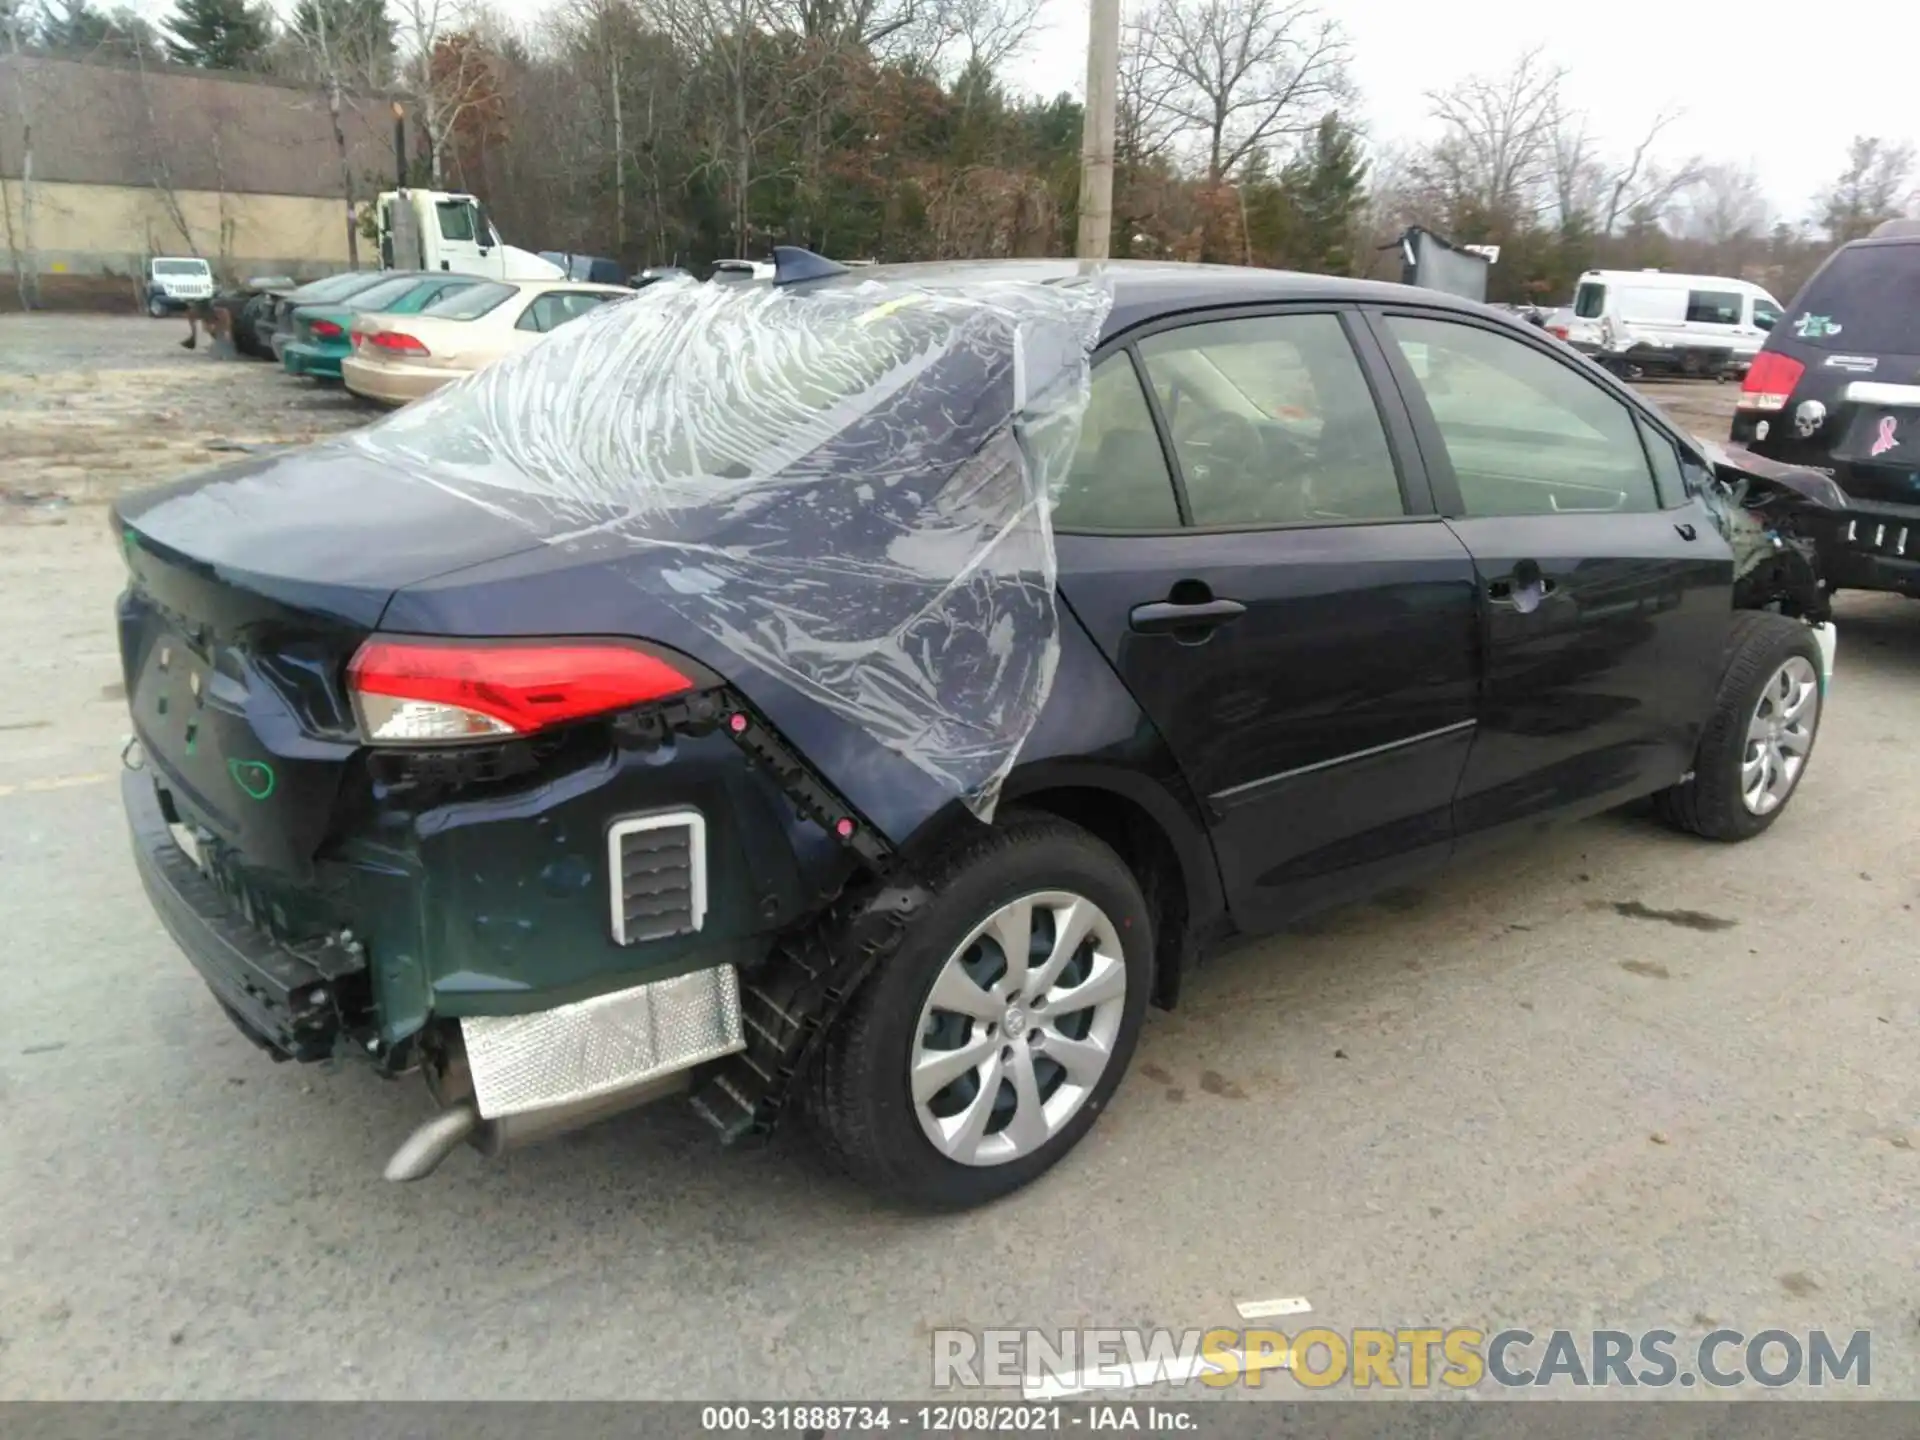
column 336, row 287
column 1272, row 422
column 555, row 308
column 1713, row 307
column 1119, row 478
column 1590, row 301
column 470, row 302
column 1864, row 301
column 378, row 297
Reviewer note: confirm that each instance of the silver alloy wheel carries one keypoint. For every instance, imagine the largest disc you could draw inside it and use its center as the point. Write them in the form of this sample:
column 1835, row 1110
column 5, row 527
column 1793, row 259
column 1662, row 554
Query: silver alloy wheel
column 1018, row 1029
column 1780, row 735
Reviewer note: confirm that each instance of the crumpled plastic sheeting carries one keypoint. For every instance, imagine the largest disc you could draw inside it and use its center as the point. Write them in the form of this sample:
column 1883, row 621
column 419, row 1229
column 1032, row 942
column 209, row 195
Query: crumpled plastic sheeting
column 845, row 484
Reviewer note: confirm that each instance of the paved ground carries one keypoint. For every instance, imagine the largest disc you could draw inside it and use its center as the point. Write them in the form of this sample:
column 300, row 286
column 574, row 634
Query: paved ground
column 1619, row 1079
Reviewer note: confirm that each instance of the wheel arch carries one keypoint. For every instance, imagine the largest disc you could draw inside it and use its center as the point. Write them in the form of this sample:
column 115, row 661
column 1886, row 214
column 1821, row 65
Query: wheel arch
column 1162, row 845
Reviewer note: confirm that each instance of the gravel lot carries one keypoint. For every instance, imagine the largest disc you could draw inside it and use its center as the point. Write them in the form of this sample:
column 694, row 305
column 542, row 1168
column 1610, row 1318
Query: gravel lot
column 1619, row 1078
column 91, row 405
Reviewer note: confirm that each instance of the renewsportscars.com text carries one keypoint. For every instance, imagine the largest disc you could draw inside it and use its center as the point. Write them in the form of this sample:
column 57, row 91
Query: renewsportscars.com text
column 1047, row 1362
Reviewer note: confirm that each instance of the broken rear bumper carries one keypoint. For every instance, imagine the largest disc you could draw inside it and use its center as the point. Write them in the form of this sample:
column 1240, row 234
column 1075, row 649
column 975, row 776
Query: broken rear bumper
column 284, row 998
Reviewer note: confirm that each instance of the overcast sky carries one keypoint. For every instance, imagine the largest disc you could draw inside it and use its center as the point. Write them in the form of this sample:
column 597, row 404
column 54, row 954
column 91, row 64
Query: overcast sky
column 1783, row 86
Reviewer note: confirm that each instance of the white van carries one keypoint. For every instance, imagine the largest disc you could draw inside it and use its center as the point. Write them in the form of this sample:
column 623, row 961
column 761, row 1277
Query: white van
column 1658, row 322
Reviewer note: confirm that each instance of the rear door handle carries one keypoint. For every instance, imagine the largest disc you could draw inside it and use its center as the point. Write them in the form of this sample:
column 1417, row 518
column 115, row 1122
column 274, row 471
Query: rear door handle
column 1164, row 616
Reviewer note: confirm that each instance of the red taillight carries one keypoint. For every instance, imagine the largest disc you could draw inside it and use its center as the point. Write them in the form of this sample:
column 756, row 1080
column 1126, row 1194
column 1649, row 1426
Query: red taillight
column 396, row 342
column 1558, row 331
column 326, row 330
column 1770, row 381
column 415, row 692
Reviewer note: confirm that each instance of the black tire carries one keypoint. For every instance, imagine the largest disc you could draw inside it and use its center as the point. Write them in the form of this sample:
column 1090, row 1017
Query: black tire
column 860, row 1107
column 156, row 308
column 1709, row 803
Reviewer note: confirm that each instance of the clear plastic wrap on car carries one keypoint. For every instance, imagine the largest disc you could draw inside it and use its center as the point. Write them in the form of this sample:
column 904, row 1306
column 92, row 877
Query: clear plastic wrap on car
column 844, row 484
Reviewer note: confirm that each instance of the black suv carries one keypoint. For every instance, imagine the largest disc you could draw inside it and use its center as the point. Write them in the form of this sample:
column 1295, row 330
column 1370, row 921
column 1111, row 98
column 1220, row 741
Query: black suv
column 1837, row 389
column 870, row 691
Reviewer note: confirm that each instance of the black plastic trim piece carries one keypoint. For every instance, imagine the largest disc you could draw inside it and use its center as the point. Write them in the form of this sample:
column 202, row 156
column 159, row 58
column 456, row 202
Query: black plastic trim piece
column 791, row 1002
column 281, row 997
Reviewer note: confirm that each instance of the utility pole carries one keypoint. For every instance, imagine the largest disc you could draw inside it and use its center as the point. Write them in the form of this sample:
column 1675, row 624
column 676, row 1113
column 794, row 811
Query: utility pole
column 400, row 143
column 1096, row 138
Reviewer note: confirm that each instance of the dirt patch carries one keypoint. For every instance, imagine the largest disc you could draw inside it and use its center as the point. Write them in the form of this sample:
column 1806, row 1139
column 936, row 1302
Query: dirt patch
column 93, row 407
column 1702, row 407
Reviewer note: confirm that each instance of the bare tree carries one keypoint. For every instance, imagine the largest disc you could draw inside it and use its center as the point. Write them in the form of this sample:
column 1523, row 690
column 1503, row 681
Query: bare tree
column 984, row 34
column 1240, row 75
column 1726, row 206
column 1869, row 190
column 742, row 111
column 886, row 27
column 155, row 144
column 1639, row 187
column 20, row 244
column 629, row 98
column 1579, row 176
column 1145, row 124
column 339, row 61
column 1496, row 161
column 446, row 71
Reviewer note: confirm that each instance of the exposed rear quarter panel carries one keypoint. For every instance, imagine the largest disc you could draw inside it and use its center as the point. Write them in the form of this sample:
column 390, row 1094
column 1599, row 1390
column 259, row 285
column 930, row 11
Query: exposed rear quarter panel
column 565, row 589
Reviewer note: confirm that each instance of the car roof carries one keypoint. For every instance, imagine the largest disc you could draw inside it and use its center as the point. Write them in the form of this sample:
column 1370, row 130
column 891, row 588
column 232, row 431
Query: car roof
column 1145, row 290
column 1675, row 278
column 1880, row 242
column 538, row 287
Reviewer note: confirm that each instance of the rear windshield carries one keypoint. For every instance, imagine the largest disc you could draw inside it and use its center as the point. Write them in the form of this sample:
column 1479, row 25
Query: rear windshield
column 470, row 303
column 337, row 287
column 1590, row 301
column 1864, row 300
column 180, row 267
column 378, row 297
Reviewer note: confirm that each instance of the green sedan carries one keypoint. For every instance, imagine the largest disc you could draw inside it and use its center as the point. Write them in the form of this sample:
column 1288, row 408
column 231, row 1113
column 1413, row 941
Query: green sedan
column 319, row 338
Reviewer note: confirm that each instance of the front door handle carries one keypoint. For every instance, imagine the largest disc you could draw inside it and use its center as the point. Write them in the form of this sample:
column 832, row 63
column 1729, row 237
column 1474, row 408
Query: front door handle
column 1523, row 590
column 1164, row 617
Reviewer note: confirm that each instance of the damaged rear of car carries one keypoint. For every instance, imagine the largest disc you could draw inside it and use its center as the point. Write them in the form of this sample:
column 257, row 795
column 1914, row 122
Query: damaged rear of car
column 704, row 699
column 467, row 747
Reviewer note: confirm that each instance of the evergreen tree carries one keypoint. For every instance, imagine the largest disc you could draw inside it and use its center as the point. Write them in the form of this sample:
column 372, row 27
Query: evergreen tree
column 356, row 36
column 1326, row 189
column 80, row 28
column 218, row 34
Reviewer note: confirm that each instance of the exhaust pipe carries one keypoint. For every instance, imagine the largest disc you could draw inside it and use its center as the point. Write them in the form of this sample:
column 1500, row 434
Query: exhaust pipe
column 421, row 1152
column 435, row 1139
